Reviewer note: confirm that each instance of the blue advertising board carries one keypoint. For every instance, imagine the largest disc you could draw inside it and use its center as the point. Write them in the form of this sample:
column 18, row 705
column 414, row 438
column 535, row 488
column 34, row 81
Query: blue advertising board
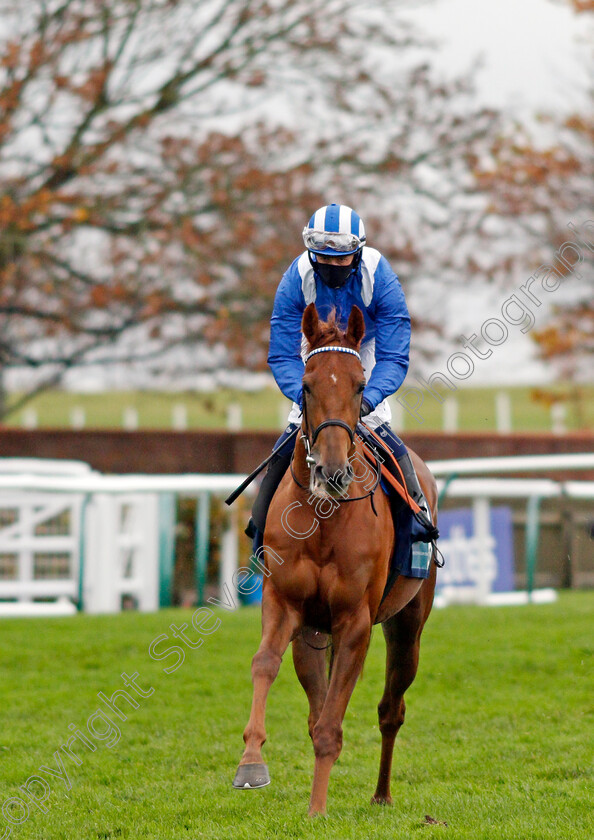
column 462, row 554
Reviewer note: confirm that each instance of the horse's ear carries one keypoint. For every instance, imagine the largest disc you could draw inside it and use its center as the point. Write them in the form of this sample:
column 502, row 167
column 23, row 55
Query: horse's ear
column 310, row 324
column 355, row 327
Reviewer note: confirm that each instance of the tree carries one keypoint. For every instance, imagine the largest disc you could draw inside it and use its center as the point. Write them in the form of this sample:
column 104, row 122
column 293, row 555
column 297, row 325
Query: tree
column 567, row 338
column 152, row 197
column 538, row 177
column 546, row 191
column 112, row 216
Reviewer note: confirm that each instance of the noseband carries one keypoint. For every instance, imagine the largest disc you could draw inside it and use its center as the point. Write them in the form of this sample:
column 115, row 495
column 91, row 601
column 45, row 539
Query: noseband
column 309, row 445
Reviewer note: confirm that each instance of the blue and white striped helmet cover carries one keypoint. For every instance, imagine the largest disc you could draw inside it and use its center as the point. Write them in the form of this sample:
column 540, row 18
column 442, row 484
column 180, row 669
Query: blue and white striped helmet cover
column 334, row 230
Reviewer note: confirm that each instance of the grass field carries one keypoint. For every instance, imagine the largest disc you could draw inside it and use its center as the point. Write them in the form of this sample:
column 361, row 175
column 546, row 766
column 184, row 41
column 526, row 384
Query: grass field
column 497, row 742
column 268, row 409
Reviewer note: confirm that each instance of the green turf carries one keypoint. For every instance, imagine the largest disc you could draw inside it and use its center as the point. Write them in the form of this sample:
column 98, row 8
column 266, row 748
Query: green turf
column 530, row 409
column 259, row 410
column 497, row 742
column 268, row 409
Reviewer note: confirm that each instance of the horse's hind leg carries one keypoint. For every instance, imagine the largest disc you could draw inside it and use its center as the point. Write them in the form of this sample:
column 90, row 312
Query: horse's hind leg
column 403, row 636
column 279, row 622
column 310, row 667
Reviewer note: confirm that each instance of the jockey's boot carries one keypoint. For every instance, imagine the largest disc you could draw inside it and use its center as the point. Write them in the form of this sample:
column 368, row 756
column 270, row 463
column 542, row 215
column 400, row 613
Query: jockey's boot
column 414, row 490
column 276, row 470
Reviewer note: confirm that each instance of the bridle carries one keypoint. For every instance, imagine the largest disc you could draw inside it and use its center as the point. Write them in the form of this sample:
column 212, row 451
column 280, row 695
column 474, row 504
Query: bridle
column 309, row 444
column 309, row 459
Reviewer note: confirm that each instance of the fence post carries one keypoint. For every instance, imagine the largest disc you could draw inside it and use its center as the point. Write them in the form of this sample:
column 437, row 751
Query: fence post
column 481, row 510
column 82, row 548
column 77, row 417
column 234, row 420
column 229, row 557
column 167, row 509
column 503, row 412
column 558, row 418
column 450, row 415
column 29, row 418
column 179, row 417
column 101, row 560
column 130, row 418
column 202, row 543
column 532, row 534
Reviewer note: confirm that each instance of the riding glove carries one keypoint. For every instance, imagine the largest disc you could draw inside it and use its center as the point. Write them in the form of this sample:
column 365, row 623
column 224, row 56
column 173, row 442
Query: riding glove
column 365, row 408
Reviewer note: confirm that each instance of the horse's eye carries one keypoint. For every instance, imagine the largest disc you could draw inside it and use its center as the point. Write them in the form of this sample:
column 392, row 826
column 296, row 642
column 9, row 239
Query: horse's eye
column 306, row 389
column 361, row 388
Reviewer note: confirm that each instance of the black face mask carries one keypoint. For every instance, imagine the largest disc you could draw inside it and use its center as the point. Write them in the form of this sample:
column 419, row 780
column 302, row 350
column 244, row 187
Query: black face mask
column 334, row 276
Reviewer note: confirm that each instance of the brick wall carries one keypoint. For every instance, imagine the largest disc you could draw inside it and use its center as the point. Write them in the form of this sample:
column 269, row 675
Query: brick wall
column 227, row 452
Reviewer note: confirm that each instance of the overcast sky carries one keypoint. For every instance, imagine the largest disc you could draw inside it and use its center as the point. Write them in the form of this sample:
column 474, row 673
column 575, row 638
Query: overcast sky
column 537, row 55
column 536, row 52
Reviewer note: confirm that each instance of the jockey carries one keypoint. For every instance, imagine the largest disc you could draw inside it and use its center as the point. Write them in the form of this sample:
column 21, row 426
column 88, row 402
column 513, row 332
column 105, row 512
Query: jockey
column 335, row 271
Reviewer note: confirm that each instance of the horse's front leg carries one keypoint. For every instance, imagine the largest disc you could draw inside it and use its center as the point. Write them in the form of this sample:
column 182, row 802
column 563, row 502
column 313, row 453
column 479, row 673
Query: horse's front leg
column 351, row 639
column 279, row 622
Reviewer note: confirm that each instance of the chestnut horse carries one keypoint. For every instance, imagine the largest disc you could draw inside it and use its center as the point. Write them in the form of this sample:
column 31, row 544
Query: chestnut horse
column 328, row 572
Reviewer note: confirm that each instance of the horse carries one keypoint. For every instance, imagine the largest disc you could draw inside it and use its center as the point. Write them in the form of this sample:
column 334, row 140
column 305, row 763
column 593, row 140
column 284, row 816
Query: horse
column 327, row 573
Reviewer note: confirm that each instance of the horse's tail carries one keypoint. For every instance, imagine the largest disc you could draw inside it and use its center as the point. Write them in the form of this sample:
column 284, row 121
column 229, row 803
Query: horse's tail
column 330, row 657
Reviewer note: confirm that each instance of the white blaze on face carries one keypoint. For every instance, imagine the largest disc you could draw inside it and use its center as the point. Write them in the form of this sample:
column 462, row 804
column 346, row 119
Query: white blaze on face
column 333, row 378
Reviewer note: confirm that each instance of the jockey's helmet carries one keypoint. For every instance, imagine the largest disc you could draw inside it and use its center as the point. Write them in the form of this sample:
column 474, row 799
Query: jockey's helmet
column 334, row 231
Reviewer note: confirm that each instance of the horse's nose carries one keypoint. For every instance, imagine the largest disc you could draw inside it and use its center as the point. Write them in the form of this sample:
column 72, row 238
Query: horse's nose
column 343, row 478
column 334, row 476
column 320, row 474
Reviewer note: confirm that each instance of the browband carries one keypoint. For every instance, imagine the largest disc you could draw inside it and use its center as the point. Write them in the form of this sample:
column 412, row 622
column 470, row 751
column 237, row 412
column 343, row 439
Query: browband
column 327, row 349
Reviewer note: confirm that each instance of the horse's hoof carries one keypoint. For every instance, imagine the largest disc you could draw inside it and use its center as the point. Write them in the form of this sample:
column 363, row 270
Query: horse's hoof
column 251, row 776
column 381, row 800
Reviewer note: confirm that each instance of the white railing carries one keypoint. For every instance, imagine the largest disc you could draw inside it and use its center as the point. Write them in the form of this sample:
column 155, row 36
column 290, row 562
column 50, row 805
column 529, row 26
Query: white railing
column 121, row 525
column 39, row 545
column 65, row 540
column 513, row 464
column 121, row 552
